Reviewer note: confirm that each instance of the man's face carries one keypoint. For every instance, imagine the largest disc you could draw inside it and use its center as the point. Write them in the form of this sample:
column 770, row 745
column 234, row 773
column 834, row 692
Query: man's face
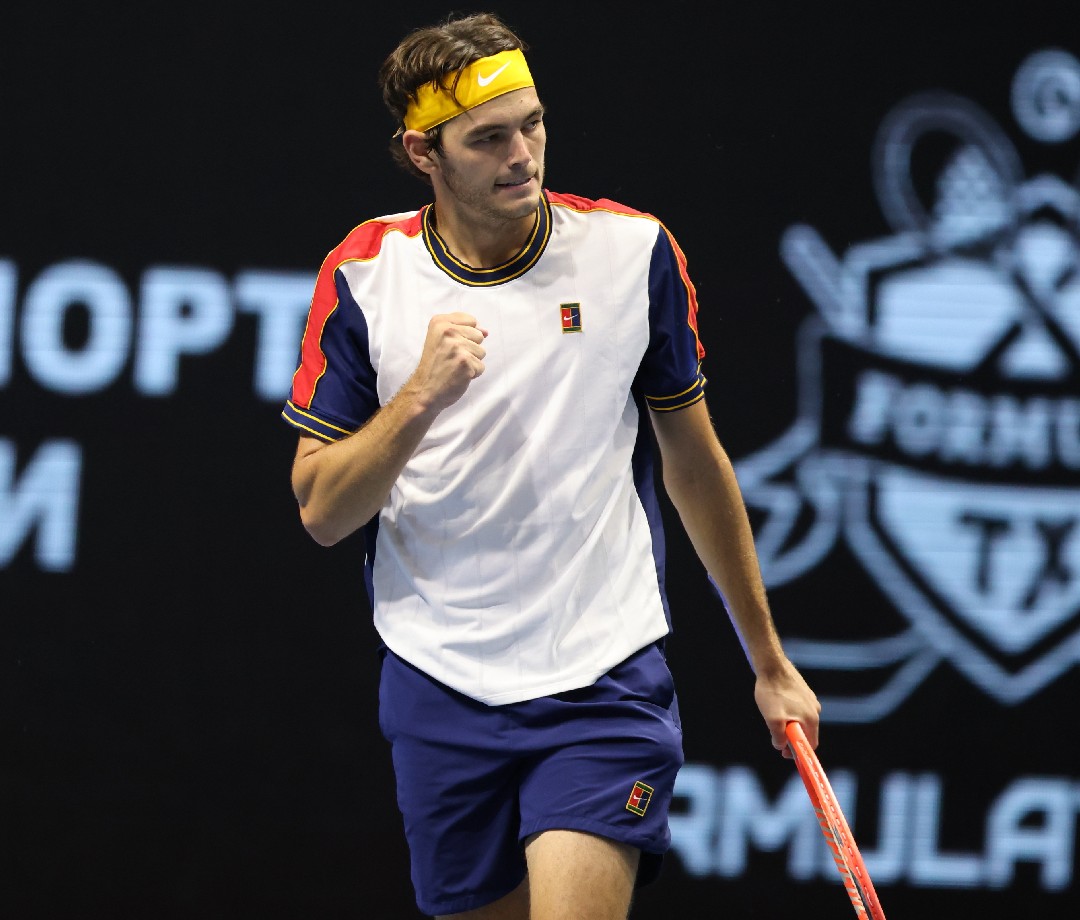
column 492, row 162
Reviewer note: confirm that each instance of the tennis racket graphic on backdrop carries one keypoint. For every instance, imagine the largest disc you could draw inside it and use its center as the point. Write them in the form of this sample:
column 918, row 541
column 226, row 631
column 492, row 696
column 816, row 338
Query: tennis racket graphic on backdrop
column 834, row 826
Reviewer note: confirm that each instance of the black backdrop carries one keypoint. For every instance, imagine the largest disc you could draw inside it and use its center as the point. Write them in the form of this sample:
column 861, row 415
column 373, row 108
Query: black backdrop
column 187, row 693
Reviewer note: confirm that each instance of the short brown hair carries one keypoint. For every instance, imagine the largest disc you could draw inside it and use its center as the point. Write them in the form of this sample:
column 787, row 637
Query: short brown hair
column 430, row 55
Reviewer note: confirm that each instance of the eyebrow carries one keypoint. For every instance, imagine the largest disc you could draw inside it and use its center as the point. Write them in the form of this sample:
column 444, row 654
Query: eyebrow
column 484, row 128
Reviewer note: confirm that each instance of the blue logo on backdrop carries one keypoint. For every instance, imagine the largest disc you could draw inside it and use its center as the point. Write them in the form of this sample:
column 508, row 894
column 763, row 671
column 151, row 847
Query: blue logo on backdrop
column 938, row 435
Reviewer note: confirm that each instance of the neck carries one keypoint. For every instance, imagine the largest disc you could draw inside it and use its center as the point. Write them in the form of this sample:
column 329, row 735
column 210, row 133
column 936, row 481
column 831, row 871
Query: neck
column 483, row 243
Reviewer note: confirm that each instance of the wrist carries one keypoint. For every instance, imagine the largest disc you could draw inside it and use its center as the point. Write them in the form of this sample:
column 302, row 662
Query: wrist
column 769, row 662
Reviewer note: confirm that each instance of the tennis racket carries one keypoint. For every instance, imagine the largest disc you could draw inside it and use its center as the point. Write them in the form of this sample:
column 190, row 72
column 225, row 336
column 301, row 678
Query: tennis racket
column 834, row 826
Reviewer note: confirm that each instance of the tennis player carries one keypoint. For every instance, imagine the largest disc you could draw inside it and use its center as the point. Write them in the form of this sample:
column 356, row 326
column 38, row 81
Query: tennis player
column 477, row 383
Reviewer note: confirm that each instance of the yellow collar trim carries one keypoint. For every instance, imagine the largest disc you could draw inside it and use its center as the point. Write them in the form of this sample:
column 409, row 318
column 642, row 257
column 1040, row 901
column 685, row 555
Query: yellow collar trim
column 477, row 83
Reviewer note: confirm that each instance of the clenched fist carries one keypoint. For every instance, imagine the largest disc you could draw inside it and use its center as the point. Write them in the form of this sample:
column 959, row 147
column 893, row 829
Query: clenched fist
column 453, row 357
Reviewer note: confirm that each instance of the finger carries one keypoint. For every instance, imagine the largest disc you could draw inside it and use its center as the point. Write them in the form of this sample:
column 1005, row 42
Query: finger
column 470, row 333
column 472, row 344
column 810, row 730
column 469, row 321
column 777, row 737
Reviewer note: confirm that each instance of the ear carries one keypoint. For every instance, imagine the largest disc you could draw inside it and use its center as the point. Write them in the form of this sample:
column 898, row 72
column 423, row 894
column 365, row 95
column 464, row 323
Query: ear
column 419, row 151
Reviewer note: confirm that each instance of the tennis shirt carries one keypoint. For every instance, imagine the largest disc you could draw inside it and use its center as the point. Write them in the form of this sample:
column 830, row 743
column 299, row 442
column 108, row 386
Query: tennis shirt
column 520, row 552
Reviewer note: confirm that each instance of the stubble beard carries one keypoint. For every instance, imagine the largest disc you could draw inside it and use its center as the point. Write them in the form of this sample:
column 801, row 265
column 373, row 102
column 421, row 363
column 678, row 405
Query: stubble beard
column 481, row 202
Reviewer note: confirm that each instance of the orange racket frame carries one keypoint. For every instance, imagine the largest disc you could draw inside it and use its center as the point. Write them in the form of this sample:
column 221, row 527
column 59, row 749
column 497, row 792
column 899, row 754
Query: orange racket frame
column 834, row 826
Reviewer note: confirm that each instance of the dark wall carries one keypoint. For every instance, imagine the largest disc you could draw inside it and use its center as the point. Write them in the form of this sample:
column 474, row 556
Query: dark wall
column 881, row 222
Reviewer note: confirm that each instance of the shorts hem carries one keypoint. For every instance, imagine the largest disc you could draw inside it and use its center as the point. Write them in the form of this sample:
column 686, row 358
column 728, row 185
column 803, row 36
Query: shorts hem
column 646, row 843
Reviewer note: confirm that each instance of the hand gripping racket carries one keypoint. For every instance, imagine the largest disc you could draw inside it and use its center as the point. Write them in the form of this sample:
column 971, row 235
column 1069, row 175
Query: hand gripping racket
column 834, row 826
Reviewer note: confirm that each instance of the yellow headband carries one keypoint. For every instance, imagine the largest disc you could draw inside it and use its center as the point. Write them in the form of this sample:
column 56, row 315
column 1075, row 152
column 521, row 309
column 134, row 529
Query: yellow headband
column 477, row 82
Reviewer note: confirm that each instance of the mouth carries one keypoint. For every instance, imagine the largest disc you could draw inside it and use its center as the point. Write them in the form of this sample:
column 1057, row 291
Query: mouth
column 514, row 183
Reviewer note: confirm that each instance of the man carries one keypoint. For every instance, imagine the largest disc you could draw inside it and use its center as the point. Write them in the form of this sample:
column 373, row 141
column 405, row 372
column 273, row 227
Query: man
column 475, row 390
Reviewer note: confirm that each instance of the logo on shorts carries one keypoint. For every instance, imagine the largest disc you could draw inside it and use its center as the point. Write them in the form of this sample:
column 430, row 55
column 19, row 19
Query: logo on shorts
column 640, row 796
column 571, row 317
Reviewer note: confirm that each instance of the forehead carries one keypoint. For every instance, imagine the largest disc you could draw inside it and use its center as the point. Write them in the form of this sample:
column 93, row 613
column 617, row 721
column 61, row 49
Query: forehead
column 508, row 109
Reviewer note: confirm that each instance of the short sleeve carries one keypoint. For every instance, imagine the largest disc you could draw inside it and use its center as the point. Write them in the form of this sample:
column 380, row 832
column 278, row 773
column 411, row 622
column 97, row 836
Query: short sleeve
column 670, row 375
column 334, row 388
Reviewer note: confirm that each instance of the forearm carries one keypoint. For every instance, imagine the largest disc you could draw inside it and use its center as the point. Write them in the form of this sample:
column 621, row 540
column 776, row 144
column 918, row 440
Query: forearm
column 710, row 506
column 341, row 486
column 701, row 484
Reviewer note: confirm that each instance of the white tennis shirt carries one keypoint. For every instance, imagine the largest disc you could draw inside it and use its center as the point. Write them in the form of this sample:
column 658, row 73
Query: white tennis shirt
column 519, row 552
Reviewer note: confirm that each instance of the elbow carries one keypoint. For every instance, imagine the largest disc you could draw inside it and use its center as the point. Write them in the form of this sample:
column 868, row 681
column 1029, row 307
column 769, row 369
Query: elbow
column 315, row 514
column 680, row 488
column 319, row 529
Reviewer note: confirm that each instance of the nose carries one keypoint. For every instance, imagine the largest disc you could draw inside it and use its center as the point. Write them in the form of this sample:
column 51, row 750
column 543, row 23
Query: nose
column 518, row 153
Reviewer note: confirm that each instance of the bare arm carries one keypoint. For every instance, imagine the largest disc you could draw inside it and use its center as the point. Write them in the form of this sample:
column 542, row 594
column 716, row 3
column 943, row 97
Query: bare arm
column 342, row 485
column 701, row 483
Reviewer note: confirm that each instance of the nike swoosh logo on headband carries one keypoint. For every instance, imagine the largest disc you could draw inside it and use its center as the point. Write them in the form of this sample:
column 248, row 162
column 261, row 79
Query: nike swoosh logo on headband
column 484, row 81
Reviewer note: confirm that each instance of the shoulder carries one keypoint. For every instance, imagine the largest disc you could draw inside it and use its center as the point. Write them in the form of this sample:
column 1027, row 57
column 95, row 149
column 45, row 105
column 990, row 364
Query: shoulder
column 581, row 205
column 365, row 241
column 606, row 216
column 628, row 222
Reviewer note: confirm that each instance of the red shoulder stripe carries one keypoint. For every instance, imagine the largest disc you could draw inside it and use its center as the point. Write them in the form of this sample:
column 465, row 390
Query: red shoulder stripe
column 577, row 203
column 361, row 245
column 691, row 293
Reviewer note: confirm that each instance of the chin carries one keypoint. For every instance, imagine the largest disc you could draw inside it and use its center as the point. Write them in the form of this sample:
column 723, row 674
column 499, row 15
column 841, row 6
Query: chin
column 528, row 208
column 523, row 206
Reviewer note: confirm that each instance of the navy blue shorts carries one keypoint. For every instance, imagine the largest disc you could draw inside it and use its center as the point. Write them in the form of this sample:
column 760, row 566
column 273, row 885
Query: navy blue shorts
column 474, row 781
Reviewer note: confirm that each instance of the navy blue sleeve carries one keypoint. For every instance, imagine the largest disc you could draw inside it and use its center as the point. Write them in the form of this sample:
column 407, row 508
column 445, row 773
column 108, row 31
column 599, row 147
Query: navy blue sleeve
column 670, row 374
column 341, row 395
